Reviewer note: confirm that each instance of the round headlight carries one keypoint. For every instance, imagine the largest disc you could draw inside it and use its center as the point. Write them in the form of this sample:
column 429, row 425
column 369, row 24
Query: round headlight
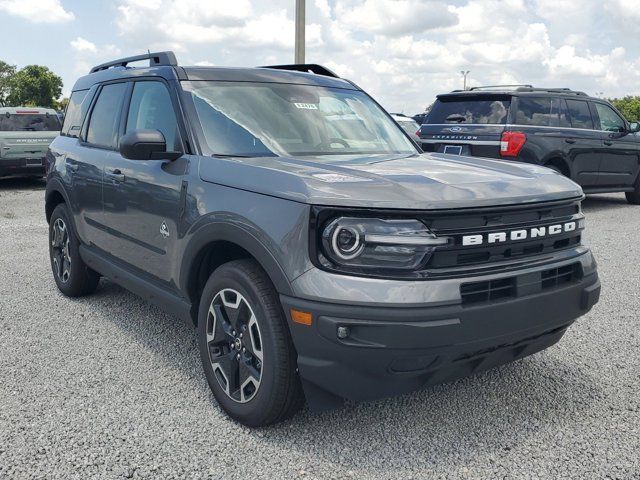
column 347, row 242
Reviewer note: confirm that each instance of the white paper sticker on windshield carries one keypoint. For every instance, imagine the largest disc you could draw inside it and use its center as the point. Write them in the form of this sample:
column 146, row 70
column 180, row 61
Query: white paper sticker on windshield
column 306, row 106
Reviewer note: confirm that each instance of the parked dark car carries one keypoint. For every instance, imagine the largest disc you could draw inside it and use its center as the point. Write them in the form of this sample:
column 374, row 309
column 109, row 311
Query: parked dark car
column 320, row 254
column 581, row 137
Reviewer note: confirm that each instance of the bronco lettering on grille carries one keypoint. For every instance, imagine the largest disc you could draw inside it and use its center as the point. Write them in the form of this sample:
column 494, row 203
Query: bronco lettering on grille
column 515, row 235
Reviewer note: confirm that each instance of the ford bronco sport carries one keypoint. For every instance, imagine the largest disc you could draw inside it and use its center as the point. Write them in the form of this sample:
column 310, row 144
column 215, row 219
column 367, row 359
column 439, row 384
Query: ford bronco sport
column 319, row 253
column 25, row 135
column 581, row 137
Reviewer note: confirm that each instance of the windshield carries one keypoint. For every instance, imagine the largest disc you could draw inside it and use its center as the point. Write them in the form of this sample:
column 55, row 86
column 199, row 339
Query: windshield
column 37, row 122
column 409, row 126
column 267, row 119
column 492, row 110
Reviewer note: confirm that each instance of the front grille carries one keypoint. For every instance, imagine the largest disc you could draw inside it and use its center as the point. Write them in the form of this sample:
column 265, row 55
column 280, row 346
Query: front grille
column 454, row 225
column 488, row 291
column 516, row 286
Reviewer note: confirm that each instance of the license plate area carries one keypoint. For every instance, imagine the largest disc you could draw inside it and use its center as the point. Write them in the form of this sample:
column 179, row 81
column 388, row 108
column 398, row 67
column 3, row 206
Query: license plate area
column 33, row 162
column 453, row 149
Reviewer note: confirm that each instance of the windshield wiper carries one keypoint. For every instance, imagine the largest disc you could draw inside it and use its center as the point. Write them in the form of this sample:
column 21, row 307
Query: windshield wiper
column 29, row 128
column 456, row 118
column 230, row 155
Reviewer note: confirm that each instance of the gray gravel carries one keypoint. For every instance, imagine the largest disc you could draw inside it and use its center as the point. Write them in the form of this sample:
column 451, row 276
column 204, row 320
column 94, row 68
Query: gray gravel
column 109, row 386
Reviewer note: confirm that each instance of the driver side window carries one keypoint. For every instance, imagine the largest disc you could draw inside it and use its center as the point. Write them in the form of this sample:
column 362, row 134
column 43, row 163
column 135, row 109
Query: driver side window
column 151, row 108
column 610, row 121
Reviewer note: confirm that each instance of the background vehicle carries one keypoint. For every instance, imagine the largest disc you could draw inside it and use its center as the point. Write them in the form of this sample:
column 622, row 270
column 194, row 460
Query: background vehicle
column 408, row 124
column 25, row 135
column 317, row 250
column 583, row 138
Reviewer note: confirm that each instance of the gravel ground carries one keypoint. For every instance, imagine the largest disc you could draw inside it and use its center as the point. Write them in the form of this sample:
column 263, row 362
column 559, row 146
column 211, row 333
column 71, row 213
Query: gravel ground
column 109, row 386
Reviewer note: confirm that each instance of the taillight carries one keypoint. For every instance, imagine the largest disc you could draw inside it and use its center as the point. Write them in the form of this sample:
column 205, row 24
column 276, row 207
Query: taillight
column 511, row 143
column 418, row 133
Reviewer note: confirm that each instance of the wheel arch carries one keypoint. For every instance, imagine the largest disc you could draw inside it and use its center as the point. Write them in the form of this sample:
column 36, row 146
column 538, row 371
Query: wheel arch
column 216, row 244
column 560, row 163
column 54, row 195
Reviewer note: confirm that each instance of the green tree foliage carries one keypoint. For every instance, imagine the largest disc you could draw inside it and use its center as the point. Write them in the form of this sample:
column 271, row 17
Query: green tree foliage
column 35, row 85
column 6, row 73
column 629, row 106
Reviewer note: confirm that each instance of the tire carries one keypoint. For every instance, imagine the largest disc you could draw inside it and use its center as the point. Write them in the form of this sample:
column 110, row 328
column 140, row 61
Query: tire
column 248, row 357
column 72, row 276
column 634, row 197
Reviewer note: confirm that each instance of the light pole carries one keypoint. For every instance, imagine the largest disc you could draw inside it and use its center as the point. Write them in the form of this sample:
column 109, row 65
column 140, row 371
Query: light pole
column 464, row 74
column 299, row 49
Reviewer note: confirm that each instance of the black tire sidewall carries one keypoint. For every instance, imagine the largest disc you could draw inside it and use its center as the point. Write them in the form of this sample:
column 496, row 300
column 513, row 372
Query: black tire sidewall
column 81, row 280
column 259, row 410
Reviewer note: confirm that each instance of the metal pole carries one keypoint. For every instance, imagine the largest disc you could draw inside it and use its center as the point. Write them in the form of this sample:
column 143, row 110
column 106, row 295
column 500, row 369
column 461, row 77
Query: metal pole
column 464, row 78
column 300, row 20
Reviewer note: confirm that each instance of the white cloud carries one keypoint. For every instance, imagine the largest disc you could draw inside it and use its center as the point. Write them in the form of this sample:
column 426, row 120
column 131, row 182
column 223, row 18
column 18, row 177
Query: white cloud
column 37, row 11
column 82, row 45
column 404, row 52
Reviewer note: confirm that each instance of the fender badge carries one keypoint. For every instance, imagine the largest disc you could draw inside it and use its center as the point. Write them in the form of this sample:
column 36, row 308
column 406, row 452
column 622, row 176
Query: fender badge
column 164, row 230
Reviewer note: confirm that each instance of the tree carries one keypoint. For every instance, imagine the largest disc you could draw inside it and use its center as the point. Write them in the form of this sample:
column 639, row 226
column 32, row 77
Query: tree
column 6, row 74
column 629, row 106
column 35, row 85
column 61, row 105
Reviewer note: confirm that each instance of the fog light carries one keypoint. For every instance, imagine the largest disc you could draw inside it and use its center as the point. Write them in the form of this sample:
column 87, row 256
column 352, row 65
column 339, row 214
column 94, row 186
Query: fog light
column 343, row 332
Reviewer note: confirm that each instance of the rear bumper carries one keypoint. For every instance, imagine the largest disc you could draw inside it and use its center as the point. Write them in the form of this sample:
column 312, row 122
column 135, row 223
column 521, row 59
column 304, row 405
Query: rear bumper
column 394, row 350
column 22, row 166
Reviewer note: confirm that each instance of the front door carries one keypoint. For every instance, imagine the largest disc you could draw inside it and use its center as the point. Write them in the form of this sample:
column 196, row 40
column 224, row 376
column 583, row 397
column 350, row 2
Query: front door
column 619, row 165
column 583, row 144
column 141, row 198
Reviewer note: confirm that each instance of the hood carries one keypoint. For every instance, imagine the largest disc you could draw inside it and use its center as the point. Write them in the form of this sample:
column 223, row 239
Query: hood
column 426, row 181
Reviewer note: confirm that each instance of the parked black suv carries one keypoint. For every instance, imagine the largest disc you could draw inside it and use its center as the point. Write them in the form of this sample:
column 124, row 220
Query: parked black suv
column 317, row 250
column 583, row 138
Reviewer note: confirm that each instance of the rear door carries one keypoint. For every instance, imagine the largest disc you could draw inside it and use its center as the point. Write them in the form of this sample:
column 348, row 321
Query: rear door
column 85, row 164
column 619, row 164
column 142, row 198
column 466, row 124
column 584, row 143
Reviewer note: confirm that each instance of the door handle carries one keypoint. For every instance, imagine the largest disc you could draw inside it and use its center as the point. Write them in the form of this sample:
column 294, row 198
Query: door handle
column 570, row 140
column 608, row 143
column 115, row 174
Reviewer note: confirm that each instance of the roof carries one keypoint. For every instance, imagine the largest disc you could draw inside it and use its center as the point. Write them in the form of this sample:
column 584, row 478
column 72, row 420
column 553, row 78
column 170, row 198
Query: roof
column 515, row 90
column 26, row 110
column 164, row 65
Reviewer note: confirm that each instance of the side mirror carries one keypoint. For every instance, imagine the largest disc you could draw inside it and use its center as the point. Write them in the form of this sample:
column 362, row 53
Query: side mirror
column 634, row 127
column 146, row 145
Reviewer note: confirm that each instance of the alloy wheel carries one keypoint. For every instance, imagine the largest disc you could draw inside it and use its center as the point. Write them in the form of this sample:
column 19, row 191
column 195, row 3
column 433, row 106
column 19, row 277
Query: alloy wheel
column 234, row 344
column 60, row 250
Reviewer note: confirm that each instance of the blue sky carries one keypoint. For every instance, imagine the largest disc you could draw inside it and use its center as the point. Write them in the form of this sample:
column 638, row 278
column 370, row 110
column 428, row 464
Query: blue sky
column 402, row 51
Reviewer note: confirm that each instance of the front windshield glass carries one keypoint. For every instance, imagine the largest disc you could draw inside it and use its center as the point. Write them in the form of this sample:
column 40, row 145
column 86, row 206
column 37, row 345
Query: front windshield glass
column 267, row 119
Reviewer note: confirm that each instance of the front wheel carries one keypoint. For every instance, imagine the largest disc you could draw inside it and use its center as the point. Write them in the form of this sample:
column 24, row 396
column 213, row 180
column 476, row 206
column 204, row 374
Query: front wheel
column 246, row 350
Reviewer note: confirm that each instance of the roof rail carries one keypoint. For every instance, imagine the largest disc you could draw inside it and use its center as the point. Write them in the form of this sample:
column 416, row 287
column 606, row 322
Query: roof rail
column 489, row 87
column 155, row 59
column 305, row 67
column 564, row 90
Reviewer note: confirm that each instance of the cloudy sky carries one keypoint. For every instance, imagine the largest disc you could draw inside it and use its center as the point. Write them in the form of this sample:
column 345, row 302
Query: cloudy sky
column 401, row 51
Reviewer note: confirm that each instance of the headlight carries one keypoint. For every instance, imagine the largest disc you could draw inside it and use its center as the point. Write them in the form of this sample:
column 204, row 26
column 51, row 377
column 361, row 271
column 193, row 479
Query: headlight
column 372, row 245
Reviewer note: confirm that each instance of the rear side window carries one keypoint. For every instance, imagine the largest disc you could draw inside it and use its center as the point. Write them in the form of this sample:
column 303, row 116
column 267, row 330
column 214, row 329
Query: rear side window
column 105, row 115
column 76, row 111
column 487, row 110
column 543, row 112
column 579, row 114
column 151, row 108
column 28, row 121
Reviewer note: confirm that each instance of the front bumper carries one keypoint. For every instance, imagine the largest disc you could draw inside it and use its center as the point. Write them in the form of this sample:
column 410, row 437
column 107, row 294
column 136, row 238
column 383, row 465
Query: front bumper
column 398, row 349
column 22, row 166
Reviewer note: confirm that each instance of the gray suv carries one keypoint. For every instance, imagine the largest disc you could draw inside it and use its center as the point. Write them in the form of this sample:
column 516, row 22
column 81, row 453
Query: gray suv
column 320, row 254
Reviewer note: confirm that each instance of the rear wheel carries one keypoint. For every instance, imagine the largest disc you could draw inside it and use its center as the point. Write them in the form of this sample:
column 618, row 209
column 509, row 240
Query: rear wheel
column 72, row 276
column 245, row 346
